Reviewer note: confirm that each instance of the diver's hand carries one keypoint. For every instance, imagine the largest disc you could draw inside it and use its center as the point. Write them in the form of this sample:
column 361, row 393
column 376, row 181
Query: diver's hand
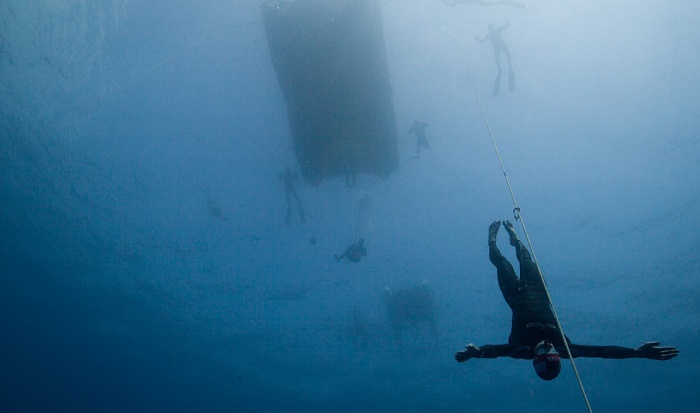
column 470, row 351
column 653, row 350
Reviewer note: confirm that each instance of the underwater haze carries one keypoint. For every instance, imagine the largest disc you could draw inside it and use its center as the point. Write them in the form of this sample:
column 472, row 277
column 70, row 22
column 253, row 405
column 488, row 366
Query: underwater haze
column 145, row 261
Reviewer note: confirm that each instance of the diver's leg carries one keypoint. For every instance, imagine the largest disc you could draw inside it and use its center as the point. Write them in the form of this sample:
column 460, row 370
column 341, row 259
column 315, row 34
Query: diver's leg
column 511, row 80
column 289, row 209
column 302, row 216
column 528, row 268
column 512, row 235
column 294, row 194
column 497, row 85
column 497, row 55
column 521, row 252
column 423, row 141
column 507, row 280
column 511, row 74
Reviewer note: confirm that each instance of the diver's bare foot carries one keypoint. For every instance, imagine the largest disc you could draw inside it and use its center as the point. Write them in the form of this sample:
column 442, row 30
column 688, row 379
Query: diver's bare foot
column 511, row 232
column 493, row 230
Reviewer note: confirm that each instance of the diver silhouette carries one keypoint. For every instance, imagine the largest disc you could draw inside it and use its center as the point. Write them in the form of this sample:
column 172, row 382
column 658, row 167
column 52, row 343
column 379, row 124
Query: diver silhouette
column 499, row 46
column 354, row 252
column 418, row 128
column 357, row 250
column 534, row 334
column 289, row 177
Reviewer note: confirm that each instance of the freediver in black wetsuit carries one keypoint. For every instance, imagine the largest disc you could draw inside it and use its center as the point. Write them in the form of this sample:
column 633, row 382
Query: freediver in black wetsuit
column 534, row 333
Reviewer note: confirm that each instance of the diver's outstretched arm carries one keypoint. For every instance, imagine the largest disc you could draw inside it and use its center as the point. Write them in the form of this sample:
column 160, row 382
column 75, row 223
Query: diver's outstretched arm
column 650, row 350
column 492, row 351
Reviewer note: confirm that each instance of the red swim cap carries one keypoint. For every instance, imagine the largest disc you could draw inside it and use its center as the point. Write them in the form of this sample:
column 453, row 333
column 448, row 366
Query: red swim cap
column 546, row 361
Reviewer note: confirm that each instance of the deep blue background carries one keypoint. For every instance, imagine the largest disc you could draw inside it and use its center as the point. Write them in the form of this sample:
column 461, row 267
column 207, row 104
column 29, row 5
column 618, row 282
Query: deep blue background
column 145, row 264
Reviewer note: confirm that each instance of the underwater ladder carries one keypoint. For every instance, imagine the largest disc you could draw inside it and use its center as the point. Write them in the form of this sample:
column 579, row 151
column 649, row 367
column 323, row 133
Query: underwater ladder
column 518, row 217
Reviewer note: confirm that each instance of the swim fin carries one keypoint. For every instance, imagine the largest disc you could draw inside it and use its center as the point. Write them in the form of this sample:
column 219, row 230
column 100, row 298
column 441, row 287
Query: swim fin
column 497, row 85
column 511, row 80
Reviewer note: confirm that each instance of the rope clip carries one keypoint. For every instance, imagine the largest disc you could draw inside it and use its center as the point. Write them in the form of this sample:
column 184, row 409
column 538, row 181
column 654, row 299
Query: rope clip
column 516, row 213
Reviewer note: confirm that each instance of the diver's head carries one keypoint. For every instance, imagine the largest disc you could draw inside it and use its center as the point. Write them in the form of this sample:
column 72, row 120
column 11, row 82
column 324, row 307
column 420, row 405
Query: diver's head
column 546, row 360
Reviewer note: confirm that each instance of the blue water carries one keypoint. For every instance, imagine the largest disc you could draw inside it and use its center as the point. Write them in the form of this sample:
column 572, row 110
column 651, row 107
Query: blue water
column 145, row 264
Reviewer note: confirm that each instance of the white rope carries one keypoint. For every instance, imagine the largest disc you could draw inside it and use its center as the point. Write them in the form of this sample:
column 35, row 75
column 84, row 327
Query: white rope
column 519, row 217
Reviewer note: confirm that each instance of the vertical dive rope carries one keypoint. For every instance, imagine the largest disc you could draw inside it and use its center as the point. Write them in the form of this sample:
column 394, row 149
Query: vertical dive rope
column 518, row 217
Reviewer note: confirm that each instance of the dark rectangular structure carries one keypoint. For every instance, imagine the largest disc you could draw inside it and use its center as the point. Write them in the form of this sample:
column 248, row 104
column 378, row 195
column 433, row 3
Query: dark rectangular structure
column 330, row 61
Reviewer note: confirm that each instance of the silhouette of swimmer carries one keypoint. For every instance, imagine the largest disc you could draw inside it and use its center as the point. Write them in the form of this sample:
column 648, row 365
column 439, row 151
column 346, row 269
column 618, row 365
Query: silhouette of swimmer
column 418, row 128
column 354, row 252
column 499, row 46
column 515, row 4
column 289, row 177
